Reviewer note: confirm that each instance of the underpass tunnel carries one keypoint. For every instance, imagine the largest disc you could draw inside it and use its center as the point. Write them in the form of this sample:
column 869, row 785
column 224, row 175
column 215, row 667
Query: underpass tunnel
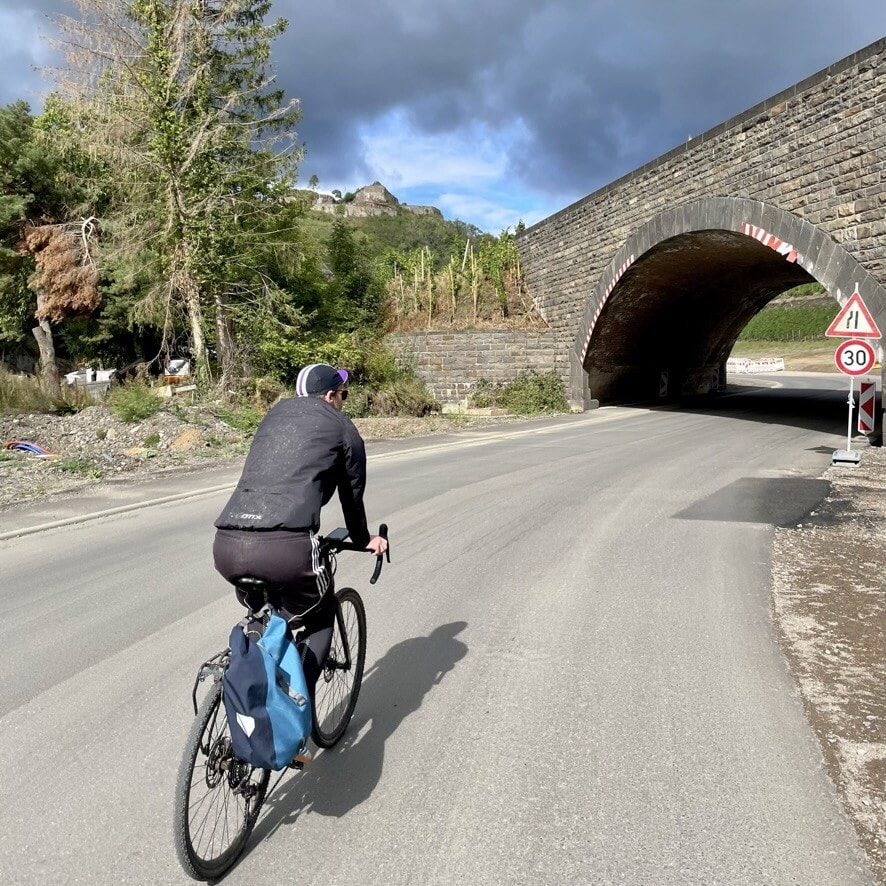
column 669, row 325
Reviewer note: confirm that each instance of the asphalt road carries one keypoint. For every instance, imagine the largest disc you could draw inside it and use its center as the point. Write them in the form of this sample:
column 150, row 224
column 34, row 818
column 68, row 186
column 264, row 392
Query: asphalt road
column 572, row 677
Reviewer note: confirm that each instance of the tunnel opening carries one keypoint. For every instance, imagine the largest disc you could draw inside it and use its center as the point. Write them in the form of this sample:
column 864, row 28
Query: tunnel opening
column 671, row 322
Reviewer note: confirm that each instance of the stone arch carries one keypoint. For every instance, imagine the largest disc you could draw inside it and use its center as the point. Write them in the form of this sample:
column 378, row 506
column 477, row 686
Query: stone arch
column 653, row 286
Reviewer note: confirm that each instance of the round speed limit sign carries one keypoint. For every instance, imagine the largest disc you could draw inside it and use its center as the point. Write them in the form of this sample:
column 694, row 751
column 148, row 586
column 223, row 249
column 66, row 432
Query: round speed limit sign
column 855, row 357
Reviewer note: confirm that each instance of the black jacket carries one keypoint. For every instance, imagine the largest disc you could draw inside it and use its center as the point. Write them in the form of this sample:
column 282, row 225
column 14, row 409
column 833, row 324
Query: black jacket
column 304, row 449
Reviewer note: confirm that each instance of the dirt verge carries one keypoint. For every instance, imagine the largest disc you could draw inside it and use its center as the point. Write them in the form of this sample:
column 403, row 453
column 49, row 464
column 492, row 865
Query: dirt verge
column 828, row 606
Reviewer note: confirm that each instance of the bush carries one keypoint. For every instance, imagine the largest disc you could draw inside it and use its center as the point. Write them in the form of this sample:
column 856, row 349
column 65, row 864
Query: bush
column 527, row 394
column 405, row 396
column 133, row 402
column 368, row 361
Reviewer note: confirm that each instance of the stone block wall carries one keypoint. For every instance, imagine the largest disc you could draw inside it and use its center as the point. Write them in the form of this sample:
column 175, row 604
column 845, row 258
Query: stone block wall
column 451, row 363
column 817, row 150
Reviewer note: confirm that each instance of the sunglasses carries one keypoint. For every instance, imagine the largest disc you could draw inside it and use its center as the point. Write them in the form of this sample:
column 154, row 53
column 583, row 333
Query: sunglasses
column 343, row 392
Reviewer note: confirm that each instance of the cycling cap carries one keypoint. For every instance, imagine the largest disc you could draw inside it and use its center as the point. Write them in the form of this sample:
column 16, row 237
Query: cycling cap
column 318, row 378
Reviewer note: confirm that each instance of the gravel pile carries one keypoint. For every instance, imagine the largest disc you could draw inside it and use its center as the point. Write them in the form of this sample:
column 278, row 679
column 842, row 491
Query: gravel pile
column 92, row 445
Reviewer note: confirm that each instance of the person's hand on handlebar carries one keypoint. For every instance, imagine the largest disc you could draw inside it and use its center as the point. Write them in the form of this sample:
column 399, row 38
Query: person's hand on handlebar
column 377, row 544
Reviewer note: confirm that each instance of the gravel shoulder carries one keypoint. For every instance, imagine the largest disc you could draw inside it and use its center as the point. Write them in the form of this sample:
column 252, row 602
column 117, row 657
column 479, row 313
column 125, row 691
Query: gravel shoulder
column 827, row 597
column 828, row 607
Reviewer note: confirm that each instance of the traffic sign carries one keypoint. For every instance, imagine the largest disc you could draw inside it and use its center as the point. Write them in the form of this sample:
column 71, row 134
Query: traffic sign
column 855, row 357
column 853, row 321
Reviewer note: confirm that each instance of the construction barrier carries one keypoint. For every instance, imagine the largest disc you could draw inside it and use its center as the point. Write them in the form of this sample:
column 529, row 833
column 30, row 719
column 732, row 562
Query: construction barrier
column 866, row 400
column 765, row 364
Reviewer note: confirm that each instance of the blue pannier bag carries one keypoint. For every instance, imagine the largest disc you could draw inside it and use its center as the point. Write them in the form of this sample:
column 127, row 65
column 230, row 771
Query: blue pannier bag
column 266, row 696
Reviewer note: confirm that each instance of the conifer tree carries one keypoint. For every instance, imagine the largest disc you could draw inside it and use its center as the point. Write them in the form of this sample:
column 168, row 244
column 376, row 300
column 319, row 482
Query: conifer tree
column 176, row 99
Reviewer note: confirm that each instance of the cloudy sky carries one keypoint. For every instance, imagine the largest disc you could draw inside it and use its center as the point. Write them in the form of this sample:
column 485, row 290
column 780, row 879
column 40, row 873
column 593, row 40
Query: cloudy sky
column 501, row 110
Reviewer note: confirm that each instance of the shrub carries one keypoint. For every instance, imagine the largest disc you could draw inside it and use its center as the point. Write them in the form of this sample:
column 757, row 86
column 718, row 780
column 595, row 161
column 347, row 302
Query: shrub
column 133, row 402
column 527, row 394
column 404, row 396
column 368, row 361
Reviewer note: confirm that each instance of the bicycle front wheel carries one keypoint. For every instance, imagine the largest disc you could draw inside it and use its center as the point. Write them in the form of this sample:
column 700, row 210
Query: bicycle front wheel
column 217, row 796
column 335, row 695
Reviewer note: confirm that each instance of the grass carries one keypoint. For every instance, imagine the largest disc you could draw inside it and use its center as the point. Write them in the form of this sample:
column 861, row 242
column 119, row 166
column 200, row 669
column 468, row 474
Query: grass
column 20, row 394
column 812, row 347
column 79, row 467
column 243, row 417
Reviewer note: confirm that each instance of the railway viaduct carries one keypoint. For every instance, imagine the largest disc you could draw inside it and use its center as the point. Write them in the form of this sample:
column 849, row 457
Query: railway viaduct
column 648, row 282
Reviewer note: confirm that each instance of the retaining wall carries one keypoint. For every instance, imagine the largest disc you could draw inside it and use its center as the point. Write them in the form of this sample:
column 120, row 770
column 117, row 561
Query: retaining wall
column 451, row 363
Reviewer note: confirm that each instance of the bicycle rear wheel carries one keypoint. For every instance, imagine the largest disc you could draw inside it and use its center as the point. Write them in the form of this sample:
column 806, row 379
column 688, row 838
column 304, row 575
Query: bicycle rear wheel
column 335, row 695
column 217, row 796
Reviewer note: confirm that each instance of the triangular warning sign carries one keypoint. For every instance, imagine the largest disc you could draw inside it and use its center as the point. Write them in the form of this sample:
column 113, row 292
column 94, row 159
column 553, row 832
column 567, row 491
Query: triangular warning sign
column 853, row 321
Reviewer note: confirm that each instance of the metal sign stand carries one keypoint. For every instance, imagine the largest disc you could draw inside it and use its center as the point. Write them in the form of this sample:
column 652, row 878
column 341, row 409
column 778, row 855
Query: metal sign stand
column 847, row 456
column 854, row 357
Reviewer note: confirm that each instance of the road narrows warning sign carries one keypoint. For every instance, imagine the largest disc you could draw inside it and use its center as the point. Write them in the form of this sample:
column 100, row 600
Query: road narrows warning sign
column 853, row 321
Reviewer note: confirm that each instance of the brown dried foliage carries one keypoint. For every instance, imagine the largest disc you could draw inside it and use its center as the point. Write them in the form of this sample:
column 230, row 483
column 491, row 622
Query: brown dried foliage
column 66, row 277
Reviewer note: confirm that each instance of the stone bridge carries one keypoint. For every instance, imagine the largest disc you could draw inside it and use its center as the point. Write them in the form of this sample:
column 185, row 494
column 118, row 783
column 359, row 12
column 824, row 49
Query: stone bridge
column 648, row 282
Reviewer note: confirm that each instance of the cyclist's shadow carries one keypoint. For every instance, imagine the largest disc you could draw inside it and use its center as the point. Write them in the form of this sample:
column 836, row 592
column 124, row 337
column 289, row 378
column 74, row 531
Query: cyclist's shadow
column 340, row 779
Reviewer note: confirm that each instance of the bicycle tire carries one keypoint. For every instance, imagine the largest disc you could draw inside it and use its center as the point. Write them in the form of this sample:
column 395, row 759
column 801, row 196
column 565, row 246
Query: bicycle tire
column 338, row 686
column 217, row 797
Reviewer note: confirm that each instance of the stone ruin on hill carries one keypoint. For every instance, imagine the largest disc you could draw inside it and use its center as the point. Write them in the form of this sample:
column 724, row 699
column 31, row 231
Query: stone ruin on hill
column 371, row 200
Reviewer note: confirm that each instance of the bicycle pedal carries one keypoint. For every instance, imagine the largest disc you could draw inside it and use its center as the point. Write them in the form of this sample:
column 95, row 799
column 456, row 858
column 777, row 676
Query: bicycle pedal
column 301, row 760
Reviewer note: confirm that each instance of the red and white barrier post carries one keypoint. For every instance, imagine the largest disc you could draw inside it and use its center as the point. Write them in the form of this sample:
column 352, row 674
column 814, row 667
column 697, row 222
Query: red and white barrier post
column 866, row 406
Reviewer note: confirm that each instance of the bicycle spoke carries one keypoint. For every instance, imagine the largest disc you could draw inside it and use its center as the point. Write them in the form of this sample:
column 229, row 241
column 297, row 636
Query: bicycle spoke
column 217, row 797
column 338, row 686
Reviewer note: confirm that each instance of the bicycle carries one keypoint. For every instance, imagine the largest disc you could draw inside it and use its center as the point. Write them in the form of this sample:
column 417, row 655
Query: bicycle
column 218, row 797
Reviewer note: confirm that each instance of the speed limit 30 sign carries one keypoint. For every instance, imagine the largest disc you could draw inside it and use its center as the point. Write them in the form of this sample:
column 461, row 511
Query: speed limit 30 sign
column 855, row 357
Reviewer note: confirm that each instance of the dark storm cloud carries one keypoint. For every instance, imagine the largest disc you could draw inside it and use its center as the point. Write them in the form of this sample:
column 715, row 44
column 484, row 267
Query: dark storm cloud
column 595, row 88
column 599, row 88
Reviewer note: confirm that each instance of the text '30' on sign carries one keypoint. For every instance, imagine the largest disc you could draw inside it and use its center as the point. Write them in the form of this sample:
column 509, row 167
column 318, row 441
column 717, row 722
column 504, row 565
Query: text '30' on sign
column 855, row 357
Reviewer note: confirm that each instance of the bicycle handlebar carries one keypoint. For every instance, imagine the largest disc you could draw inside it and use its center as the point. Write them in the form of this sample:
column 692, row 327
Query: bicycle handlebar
column 336, row 541
column 379, row 559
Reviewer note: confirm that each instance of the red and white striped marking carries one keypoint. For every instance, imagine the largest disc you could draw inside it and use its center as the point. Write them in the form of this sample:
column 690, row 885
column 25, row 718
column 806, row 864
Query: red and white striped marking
column 770, row 240
column 866, row 399
column 618, row 275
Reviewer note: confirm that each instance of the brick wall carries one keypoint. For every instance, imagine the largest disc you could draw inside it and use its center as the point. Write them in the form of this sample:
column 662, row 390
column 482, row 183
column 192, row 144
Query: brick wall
column 450, row 363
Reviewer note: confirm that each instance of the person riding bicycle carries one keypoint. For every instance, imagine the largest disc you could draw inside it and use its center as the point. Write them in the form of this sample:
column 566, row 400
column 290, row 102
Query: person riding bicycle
column 304, row 450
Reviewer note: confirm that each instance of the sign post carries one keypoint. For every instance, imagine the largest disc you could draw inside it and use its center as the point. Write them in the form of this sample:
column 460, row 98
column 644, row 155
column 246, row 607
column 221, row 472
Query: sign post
column 854, row 357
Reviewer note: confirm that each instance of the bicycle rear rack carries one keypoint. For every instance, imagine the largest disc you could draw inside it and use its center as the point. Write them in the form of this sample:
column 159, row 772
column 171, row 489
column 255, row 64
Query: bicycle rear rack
column 213, row 667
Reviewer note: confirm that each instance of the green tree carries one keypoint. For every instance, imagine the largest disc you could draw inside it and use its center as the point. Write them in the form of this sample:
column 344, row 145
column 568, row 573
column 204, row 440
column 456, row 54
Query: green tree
column 177, row 99
column 354, row 292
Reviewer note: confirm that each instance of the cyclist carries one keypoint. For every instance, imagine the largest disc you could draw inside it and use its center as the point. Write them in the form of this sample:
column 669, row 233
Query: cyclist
column 304, row 449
